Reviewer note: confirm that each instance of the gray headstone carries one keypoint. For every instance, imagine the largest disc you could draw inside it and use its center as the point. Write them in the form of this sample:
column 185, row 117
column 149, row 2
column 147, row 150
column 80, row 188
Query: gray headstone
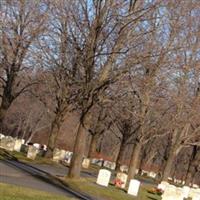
column 86, row 163
column 32, row 152
column 18, row 144
column 7, row 143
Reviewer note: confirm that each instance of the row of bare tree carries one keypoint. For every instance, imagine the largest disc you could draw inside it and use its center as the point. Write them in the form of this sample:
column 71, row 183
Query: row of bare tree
column 128, row 68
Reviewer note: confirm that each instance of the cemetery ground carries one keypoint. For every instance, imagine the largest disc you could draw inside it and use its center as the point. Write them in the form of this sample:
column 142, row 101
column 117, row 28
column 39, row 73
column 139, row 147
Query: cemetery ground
column 48, row 171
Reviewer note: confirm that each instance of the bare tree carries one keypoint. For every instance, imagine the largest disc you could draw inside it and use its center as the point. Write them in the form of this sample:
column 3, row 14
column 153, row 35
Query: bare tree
column 22, row 22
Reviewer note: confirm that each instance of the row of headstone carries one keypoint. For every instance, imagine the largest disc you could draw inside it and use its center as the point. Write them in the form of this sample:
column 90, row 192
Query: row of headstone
column 104, row 176
column 14, row 144
column 7, row 143
column 109, row 165
column 172, row 192
column 62, row 155
column 98, row 162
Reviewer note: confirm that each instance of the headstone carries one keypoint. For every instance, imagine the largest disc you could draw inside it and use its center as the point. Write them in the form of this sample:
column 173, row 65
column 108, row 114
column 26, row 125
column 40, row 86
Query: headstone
column 134, row 187
column 62, row 154
column 169, row 193
column 32, row 152
column 1, row 136
column 144, row 173
column 186, row 191
column 7, row 143
column 123, row 179
column 37, row 145
column 56, row 155
column 68, row 156
column 44, row 147
column 18, row 144
column 173, row 193
column 24, row 148
column 124, row 168
column 109, row 165
column 98, row 162
column 194, row 194
column 179, row 195
column 86, row 163
column 163, row 185
column 59, row 155
column 103, row 178
column 195, row 186
column 152, row 174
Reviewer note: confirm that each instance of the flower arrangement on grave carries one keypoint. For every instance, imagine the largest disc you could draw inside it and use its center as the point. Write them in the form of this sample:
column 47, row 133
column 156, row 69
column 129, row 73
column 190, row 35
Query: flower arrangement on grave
column 156, row 191
column 118, row 182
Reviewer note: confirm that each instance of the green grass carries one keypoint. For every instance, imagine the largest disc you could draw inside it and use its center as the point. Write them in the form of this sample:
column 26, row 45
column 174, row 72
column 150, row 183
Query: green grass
column 88, row 186
column 20, row 156
column 11, row 192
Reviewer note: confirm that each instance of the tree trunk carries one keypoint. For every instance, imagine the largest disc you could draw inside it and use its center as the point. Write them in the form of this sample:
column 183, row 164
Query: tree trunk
column 193, row 162
column 169, row 164
column 78, row 152
column 3, row 112
column 134, row 161
column 52, row 139
column 93, row 146
column 120, row 155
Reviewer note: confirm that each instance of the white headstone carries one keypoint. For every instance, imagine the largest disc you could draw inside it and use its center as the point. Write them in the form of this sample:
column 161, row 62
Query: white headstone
column 123, row 178
column 195, row 186
column 62, row 154
column 152, row 174
column 103, row 178
column 163, row 185
column 18, row 144
column 134, row 187
column 194, row 194
column 86, row 163
column 32, row 152
column 124, row 168
column 37, row 145
column 169, row 193
column 45, row 147
column 1, row 136
column 186, row 191
column 173, row 193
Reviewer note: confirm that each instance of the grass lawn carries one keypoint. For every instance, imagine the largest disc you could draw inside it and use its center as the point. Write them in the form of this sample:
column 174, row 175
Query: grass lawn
column 88, row 186
column 11, row 192
column 85, row 185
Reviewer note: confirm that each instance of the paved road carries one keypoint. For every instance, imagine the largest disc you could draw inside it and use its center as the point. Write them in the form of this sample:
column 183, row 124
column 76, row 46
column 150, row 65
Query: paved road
column 37, row 177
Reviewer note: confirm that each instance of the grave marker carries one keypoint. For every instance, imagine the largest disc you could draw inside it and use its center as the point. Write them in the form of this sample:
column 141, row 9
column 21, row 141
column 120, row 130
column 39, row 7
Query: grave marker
column 103, row 178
